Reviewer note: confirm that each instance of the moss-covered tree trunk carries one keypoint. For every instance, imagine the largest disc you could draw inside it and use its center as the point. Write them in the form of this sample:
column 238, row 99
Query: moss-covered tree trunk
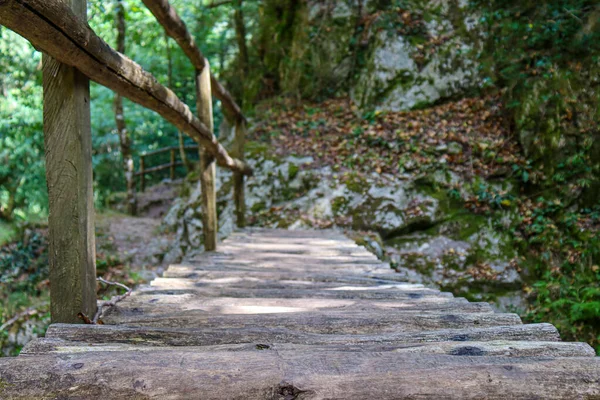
column 124, row 139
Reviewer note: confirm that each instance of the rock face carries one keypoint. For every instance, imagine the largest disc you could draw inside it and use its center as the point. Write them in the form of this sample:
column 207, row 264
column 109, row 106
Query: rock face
column 425, row 234
column 426, row 63
column 395, row 57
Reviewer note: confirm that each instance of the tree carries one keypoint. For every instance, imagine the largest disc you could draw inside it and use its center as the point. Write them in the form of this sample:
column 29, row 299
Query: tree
column 124, row 139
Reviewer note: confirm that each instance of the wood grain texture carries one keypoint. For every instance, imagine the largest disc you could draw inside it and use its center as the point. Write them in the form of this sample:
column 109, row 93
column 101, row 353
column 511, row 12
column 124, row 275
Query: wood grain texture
column 500, row 348
column 208, row 170
column 293, row 374
column 52, row 27
column 152, row 336
column 68, row 149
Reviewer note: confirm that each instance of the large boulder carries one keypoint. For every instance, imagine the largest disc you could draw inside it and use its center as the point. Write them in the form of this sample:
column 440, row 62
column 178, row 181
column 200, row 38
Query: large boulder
column 425, row 60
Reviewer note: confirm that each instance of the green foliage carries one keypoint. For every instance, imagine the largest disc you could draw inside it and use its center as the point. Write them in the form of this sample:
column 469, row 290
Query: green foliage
column 566, row 247
column 546, row 58
column 22, row 174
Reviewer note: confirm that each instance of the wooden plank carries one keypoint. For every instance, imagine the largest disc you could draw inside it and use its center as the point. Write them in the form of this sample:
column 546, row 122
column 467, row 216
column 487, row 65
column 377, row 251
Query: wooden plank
column 152, row 336
column 499, row 348
column 208, row 169
column 258, row 283
column 326, row 322
column 52, row 27
column 191, row 272
column 68, row 148
column 176, row 304
column 346, row 293
column 292, row 374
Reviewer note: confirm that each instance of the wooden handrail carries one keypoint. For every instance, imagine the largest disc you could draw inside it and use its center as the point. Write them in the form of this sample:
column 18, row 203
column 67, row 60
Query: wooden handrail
column 52, row 27
column 72, row 50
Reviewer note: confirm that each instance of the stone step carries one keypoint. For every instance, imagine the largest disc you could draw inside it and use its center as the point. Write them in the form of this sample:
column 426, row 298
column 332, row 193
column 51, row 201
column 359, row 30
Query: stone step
column 153, row 336
column 296, row 374
column 499, row 348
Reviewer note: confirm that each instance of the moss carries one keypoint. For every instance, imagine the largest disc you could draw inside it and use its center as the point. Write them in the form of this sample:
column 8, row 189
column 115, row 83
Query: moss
column 356, row 183
column 258, row 207
column 293, row 170
column 339, row 205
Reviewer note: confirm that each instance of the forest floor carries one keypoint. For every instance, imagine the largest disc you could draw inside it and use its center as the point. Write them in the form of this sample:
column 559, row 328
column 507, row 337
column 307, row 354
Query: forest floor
column 129, row 250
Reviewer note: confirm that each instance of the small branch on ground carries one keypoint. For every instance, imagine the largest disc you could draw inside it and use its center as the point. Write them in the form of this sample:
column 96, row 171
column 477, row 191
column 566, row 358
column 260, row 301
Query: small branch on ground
column 109, row 303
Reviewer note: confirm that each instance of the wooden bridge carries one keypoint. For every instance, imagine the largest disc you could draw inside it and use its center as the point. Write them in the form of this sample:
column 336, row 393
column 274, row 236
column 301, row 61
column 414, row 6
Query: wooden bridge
column 299, row 315
column 271, row 314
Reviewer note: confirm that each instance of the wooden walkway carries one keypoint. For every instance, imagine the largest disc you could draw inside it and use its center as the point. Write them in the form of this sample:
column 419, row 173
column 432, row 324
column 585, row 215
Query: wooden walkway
column 299, row 315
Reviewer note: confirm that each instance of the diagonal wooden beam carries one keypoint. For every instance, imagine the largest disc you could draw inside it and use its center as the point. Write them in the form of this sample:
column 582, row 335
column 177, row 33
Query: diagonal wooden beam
column 174, row 26
column 52, row 27
column 176, row 29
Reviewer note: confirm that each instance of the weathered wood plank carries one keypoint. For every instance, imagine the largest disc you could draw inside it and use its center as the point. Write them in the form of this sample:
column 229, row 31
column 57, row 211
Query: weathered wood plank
column 291, row 374
column 296, row 294
column 176, row 304
column 68, row 148
column 208, row 171
column 257, row 283
column 54, row 28
column 194, row 272
column 497, row 348
column 151, row 336
column 330, row 322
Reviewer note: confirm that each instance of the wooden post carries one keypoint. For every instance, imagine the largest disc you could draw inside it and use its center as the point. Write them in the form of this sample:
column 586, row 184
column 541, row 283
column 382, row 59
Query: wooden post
column 142, row 174
column 172, row 164
column 207, row 161
column 238, row 178
column 68, row 148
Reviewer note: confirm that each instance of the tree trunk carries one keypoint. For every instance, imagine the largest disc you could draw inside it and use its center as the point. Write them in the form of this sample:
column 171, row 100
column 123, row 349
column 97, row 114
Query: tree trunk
column 182, row 152
column 240, row 34
column 124, row 139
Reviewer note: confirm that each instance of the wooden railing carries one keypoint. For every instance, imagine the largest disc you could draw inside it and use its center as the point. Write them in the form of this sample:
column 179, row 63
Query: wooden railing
column 73, row 54
column 171, row 166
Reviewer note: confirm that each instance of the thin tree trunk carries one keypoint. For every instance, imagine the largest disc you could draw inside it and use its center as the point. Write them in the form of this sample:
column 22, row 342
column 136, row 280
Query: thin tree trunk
column 124, row 139
column 240, row 34
column 182, row 153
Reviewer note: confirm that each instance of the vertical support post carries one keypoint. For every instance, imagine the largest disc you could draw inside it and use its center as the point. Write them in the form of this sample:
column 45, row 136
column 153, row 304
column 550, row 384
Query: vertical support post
column 172, row 176
column 68, row 148
column 239, row 197
column 142, row 174
column 208, row 169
